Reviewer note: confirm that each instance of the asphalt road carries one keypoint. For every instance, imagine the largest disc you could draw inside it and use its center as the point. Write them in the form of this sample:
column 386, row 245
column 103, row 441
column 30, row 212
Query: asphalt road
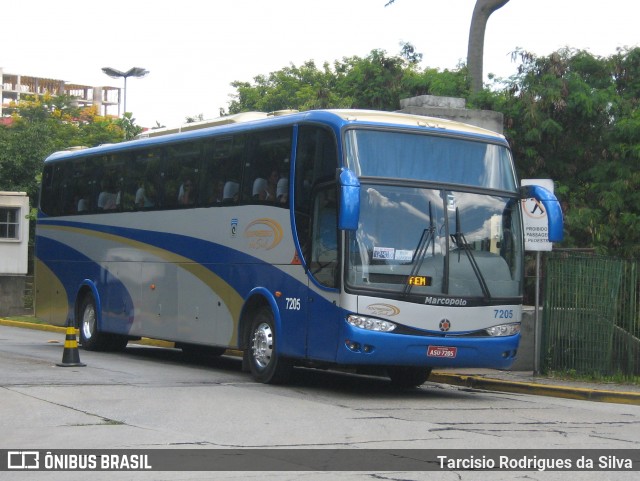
column 154, row 398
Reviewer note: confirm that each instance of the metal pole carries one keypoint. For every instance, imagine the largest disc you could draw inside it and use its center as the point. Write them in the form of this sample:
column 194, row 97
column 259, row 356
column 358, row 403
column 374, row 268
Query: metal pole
column 125, row 95
column 536, row 322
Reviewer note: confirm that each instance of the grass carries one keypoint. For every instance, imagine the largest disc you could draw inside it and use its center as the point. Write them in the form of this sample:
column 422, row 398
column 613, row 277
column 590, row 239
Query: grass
column 573, row 375
column 29, row 319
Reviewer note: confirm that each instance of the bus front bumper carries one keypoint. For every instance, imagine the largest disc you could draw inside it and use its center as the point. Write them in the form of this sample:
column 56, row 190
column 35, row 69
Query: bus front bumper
column 362, row 347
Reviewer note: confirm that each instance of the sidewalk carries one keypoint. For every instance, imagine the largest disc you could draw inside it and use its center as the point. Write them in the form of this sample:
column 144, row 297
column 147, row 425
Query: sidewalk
column 525, row 382
column 520, row 382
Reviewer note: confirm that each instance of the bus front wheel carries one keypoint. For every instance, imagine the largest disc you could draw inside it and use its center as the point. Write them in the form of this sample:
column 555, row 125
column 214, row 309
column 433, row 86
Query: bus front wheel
column 90, row 336
column 408, row 376
column 266, row 365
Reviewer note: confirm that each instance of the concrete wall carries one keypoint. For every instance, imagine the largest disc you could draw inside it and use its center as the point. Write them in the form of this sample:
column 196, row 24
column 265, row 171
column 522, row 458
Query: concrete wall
column 13, row 290
column 526, row 354
column 452, row 109
column 14, row 253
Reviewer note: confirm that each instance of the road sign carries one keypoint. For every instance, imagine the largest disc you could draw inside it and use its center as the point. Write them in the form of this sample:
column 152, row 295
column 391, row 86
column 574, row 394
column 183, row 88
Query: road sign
column 534, row 214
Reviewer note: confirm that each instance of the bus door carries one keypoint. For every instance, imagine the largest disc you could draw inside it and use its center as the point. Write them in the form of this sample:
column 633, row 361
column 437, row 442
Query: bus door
column 315, row 207
column 323, row 320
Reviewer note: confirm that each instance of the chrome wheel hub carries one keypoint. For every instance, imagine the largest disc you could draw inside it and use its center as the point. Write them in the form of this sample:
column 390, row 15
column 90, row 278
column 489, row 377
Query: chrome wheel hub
column 88, row 322
column 262, row 345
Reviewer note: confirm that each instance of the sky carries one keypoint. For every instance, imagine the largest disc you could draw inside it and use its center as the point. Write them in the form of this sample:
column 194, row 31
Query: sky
column 194, row 49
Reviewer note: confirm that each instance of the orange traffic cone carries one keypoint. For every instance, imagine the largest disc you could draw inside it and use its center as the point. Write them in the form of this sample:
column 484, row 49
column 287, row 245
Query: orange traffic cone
column 71, row 354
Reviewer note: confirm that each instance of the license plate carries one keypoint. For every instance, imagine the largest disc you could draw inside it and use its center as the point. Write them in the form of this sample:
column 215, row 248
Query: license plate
column 442, row 351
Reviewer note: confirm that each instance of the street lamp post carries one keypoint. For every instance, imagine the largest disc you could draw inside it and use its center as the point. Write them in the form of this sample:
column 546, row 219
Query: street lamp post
column 132, row 72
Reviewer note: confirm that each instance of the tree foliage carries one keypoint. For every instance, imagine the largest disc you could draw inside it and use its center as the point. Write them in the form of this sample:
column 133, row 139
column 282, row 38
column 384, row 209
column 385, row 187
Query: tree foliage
column 377, row 81
column 43, row 125
column 573, row 117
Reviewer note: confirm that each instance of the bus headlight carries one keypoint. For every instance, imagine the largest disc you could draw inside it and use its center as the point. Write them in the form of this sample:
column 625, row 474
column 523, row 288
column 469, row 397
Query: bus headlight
column 370, row 324
column 503, row 330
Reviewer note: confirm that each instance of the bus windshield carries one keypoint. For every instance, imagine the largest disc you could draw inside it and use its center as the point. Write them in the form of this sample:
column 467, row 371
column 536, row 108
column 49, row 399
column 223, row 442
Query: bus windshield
column 448, row 233
column 417, row 242
column 375, row 153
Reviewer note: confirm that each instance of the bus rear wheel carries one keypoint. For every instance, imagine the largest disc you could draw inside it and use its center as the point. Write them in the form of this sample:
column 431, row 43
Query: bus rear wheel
column 266, row 365
column 90, row 336
column 408, row 376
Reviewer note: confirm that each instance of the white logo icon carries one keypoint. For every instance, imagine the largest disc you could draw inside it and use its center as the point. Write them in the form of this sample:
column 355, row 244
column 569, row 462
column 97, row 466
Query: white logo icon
column 23, row 459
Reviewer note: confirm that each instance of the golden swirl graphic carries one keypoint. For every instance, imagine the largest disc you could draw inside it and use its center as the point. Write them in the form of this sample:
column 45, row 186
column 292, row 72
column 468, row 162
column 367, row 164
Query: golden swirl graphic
column 383, row 310
column 263, row 233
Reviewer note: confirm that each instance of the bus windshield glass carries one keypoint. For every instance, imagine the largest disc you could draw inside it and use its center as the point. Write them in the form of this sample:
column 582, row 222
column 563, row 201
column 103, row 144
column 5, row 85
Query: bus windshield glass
column 452, row 230
column 375, row 153
column 416, row 242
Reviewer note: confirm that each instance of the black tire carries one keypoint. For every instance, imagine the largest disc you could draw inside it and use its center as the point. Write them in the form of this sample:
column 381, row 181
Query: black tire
column 91, row 338
column 405, row 377
column 261, row 353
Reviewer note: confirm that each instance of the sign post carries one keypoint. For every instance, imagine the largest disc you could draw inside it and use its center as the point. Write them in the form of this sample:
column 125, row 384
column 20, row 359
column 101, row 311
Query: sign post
column 536, row 239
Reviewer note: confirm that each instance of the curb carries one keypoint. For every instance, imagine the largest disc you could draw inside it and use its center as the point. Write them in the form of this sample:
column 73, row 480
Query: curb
column 464, row 380
column 566, row 392
column 145, row 341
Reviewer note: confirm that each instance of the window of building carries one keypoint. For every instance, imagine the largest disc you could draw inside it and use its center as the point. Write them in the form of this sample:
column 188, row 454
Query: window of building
column 9, row 223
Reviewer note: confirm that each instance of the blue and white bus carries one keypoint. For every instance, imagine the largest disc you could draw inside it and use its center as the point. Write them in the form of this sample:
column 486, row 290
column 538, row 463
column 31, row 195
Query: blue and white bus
column 325, row 238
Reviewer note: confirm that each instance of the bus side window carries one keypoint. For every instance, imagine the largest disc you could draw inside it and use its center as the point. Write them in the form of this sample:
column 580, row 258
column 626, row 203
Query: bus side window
column 229, row 152
column 212, row 182
column 126, row 184
column 170, row 178
column 266, row 163
column 190, row 174
column 143, row 177
column 324, row 244
column 83, row 186
column 52, row 178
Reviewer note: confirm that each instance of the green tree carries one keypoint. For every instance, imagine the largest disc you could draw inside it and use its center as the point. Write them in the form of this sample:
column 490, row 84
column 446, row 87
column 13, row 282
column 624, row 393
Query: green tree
column 377, row 81
column 573, row 117
column 303, row 88
column 127, row 124
column 43, row 125
column 373, row 82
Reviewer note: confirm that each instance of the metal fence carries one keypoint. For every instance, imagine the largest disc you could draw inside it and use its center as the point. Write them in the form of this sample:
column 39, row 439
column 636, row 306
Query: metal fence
column 591, row 316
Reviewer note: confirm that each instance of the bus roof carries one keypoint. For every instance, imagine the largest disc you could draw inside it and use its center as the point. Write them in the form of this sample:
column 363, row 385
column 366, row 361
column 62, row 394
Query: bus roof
column 347, row 115
column 401, row 118
column 339, row 117
column 203, row 124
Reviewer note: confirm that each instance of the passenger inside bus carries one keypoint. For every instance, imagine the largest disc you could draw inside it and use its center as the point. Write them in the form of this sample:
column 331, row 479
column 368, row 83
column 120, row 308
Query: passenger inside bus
column 265, row 189
column 187, row 193
column 142, row 199
column 216, row 194
column 108, row 198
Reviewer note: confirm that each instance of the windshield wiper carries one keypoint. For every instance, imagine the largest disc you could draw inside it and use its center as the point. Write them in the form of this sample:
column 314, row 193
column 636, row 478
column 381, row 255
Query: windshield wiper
column 460, row 241
column 426, row 240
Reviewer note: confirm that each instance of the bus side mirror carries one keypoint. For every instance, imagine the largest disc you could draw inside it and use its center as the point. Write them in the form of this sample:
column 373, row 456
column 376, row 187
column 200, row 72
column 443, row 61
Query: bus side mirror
column 551, row 206
column 349, row 214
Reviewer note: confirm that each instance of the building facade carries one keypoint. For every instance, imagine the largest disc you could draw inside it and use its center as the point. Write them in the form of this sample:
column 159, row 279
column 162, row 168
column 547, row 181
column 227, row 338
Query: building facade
column 15, row 86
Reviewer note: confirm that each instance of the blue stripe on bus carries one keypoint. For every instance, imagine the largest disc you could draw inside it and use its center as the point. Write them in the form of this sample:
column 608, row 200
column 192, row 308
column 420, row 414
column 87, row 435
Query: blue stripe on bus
column 72, row 269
